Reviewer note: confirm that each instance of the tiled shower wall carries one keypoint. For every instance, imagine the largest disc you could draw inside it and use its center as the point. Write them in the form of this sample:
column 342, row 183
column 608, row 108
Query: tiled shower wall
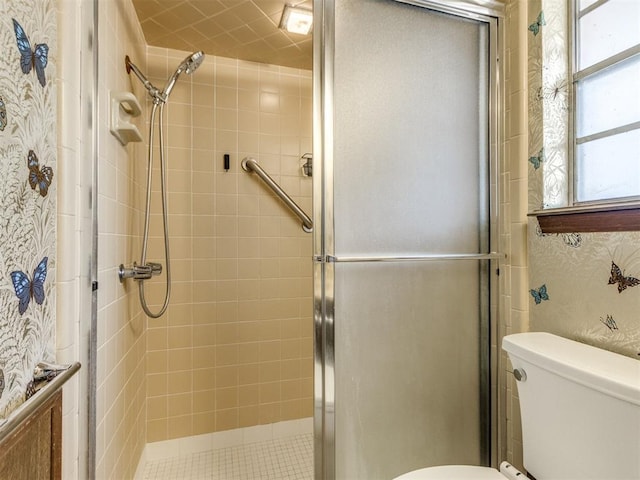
column 515, row 307
column 235, row 347
column 121, row 338
column 71, row 213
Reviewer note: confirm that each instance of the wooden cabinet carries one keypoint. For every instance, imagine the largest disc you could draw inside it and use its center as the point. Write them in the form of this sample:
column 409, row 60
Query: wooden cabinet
column 33, row 450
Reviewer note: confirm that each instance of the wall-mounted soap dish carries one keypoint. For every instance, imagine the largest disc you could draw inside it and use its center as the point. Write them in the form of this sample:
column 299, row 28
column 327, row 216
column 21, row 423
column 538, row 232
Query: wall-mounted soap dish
column 124, row 107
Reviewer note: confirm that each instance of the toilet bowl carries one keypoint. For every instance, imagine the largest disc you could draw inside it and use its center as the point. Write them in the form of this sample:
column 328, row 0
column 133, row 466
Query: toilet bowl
column 572, row 396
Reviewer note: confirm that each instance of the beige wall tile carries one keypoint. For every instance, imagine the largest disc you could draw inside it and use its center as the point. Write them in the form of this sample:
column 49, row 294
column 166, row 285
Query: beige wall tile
column 204, row 401
column 226, row 376
column 156, row 408
column 269, row 412
column 156, row 384
column 179, row 359
column 249, row 374
column 205, row 379
column 204, row 423
column 269, row 372
column 226, row 398
column 228, row 353
column 226, row 419
column 179, row 337
column 248, row 353
column 156, row 339
column 178, row 427
column 157, row 430
column 204, row 335
column 204, row 357
column 179, row 382
column 248, row 416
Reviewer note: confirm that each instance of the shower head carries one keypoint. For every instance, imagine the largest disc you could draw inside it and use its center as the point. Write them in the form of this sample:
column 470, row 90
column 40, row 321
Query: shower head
column 188, row 66
column 192, row 62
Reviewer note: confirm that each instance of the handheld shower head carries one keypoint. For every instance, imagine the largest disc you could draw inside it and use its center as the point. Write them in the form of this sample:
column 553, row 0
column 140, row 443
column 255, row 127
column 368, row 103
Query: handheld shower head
column 188, row 66
column 193, row 61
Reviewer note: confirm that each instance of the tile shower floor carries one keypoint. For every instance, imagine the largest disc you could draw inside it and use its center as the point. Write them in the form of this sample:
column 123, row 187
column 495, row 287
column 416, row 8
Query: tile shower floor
column 288, row 458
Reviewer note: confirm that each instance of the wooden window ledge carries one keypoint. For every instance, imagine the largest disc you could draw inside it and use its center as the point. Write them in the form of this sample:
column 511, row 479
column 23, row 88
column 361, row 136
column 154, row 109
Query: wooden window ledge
column 593, row 218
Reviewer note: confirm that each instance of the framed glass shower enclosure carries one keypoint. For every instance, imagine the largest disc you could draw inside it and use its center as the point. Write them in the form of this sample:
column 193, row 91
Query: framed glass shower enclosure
column 405, row 209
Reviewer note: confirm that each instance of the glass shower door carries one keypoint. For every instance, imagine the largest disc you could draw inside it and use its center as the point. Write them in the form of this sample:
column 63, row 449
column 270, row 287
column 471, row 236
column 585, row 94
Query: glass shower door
column 403, row 255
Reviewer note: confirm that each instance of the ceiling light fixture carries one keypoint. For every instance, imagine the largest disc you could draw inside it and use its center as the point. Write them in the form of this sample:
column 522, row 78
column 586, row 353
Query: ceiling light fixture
column 296, row 20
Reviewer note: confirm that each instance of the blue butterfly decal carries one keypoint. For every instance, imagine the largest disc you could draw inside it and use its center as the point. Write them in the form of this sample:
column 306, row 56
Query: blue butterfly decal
column 537, row 160
column 3, row 114
column 540, row 294
column 39, row 177
column 535, row 26
column 26, row 289
column 36, row 58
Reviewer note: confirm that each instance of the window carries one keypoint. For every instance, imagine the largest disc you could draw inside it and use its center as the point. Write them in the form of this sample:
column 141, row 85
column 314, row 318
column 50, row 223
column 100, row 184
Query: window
column 606, row 75
column 599, row 179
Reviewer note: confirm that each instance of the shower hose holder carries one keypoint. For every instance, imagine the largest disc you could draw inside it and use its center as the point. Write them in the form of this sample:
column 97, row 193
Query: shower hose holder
column 139, row 272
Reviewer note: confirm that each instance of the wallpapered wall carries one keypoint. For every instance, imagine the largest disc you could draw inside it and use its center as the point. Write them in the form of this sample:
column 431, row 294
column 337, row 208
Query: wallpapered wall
column 27, row 194
column 577, row 281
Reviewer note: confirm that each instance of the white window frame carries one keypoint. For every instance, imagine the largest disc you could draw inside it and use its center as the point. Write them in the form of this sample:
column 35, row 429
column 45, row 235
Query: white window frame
column 577, row 76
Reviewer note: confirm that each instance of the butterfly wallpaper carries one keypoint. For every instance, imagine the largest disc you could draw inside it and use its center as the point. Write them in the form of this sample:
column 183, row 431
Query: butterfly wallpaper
column 35, row 58
column 537, row 160
column 39, row 177
column 28, row 150
column 584, row 286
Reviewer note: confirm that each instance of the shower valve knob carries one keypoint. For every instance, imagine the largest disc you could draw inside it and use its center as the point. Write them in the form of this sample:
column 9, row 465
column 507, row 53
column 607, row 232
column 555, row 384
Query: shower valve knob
column 156, row 268
column 139, row 272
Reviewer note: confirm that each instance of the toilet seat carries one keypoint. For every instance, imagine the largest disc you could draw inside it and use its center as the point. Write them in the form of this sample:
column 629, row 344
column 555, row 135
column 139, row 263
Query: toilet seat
column 463, row 472
column 453, row 472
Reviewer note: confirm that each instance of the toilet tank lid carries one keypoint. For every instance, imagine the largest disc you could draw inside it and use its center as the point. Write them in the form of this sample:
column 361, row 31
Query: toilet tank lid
column 601, row 370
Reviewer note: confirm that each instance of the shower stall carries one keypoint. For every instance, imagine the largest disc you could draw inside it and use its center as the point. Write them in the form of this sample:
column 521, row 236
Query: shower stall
column 375, row 322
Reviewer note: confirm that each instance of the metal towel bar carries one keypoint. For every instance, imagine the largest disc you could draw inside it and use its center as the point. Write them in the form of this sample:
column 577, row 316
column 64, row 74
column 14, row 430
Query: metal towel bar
column 251, row 165
column 23, row 412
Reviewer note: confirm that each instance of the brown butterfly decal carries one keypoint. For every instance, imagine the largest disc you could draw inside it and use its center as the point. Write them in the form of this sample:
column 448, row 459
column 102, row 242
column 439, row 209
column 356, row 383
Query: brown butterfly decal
column 39, row 176
column 622, row 281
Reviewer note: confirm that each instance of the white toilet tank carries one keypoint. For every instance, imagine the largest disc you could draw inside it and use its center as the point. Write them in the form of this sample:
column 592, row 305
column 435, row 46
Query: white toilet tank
column 580, row 408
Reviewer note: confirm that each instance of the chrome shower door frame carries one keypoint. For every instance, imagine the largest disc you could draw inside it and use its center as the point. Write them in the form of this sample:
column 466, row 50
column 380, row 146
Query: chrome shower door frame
column 490, row 12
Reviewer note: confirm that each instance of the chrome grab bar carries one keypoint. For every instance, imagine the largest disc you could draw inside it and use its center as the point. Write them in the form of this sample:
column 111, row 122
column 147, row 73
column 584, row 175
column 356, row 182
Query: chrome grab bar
column 251, row 165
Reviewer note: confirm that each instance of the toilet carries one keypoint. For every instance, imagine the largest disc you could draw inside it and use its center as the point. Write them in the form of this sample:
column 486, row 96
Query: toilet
column 580, row 409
